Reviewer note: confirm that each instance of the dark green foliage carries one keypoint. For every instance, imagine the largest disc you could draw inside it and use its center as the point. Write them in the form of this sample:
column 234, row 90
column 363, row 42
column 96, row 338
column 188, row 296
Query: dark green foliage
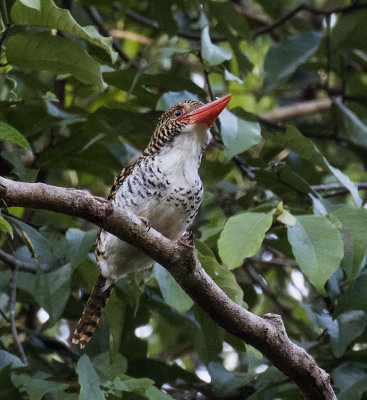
column 271, row 232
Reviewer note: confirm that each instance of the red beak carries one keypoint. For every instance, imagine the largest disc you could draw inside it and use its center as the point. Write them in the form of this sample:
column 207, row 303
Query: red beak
column 207, row 113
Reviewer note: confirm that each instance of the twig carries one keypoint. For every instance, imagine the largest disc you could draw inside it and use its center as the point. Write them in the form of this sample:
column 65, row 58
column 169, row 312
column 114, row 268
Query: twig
column 304, row 7
column 13, row 301
column 254, row 16
column 337, row 186
column 336, row 189
column 266, row 333
column 261, row 282
column 98, row 21
column 244, row 168
column 4, row 315
column 239, row 161
column 2, row 38
column 4, row 12
column 296, row 110
column 134, row 37
column 13, row 263
column 151, row 23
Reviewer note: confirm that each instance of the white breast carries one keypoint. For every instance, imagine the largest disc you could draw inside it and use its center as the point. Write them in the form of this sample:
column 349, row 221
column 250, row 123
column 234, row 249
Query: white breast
column 166, row 189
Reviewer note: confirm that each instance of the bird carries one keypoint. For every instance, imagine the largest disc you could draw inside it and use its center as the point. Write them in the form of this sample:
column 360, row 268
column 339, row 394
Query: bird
column 163, row 188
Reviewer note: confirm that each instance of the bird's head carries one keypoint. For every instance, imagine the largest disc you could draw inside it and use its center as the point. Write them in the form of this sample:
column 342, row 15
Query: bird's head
column 187, row 117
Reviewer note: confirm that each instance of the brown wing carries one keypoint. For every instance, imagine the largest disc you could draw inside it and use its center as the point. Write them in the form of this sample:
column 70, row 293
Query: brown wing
column 100, row 294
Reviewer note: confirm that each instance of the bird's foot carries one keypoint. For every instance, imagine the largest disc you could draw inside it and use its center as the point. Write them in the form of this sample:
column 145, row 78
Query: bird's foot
column 187, row 239
column 146, row 222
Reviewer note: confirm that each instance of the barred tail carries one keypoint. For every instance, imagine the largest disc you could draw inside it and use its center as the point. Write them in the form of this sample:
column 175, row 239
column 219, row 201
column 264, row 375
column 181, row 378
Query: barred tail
column 92, row 312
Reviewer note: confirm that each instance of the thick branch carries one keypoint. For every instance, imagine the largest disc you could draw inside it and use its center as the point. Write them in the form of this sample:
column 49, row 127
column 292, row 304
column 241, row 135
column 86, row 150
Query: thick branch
column 266, row 334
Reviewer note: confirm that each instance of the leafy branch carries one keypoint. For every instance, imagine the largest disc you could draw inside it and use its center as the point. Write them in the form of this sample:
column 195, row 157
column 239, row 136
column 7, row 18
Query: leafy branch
column 98, row 21
column 305, row 7
column 266, row 333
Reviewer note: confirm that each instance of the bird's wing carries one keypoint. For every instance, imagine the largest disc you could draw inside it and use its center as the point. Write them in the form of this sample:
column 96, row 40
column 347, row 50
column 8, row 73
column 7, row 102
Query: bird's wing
column 117, row 182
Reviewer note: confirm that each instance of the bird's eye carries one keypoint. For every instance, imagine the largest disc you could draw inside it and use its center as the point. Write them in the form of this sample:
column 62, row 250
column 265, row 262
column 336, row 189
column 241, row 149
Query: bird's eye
column 178, row 113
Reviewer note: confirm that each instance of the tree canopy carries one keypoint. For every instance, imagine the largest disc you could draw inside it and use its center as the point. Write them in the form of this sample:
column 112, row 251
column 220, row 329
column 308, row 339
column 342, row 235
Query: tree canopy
column 282, row 228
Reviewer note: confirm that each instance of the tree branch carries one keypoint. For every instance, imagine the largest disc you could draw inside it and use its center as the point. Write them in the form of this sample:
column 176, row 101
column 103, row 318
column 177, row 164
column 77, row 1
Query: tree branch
column 13, row 263
column 304, row 7
column 98, row 21
column 296, row 110
column 151, row 23
column 266, row 334
column 261, row 282
column 336, row 189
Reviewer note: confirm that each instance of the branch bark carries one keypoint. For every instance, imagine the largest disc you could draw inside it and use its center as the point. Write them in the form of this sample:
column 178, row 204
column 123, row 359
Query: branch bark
column 13, row 263
column 296, row 110
column 265, row 333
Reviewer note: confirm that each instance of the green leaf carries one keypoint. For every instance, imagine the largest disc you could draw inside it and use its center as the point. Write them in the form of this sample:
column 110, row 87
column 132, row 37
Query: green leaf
column 210, row 345
column 172, row 292
column 346, row 182
column 233, row 25
column 53, row 291
column 46, row 13
column 6, row 227
column 42, row 51
column 351, row 326
column 211, row 53
column 222, row 277
column 292, row 139
column 355, row 297
column 228, row 76
column 37, row 387
column 154, row 393
column 88, row 380
column 108, row 370
column 223, row 380
column 242, row 237
column 11, row 135
column 238, row 134
column 284, row 57
column 318, row 248
column 79, row 244
column 351, row 126
column 7, row 388
column 350, row 31
column 169, row 99
column 15, row 159
column 115, row 314
column 354, row 221
column 41, row 246
column 124, row 79
column 128, row 384
column 9, row 359
column 351, row 380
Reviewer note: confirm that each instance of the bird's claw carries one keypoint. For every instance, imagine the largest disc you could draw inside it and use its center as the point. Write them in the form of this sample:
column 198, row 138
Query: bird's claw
column 187, row 239
column 146, row 222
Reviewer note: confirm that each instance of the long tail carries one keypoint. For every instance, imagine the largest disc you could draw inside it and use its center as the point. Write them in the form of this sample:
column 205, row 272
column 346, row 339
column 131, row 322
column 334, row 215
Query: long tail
column 92, row 312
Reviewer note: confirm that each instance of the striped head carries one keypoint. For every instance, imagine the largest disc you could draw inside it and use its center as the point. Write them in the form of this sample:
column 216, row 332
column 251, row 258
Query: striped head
column 188, row 116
